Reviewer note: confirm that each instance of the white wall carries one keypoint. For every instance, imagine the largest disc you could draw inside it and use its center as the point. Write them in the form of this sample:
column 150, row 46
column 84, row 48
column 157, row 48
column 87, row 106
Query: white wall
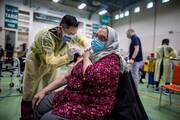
column 121, row 26
column 143, row 24
column 151, row 34
column 168, row 18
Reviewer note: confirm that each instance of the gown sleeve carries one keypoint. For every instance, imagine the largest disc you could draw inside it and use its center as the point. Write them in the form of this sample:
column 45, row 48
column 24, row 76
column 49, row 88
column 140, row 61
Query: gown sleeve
column 48, row 47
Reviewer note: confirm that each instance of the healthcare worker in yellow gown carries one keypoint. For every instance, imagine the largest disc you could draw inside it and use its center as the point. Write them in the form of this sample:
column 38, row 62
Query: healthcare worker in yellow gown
column 49, row 51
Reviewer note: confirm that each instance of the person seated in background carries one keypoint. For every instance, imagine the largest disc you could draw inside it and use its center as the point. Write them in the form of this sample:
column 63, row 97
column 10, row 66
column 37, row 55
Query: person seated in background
column 164, row 67
column 91, row 84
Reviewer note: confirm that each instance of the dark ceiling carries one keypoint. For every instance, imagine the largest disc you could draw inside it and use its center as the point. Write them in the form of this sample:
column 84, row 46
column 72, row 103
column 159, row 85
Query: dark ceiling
column 96, row 5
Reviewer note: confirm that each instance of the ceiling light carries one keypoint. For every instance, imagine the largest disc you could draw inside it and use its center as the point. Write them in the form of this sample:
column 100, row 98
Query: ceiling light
column 137, row 9
column 150, row 5
column 55, row 1
column 165, row 1
column 126, row 13
column 116, row 17
column 81, row 6
column 102, row 12
column 121, row 15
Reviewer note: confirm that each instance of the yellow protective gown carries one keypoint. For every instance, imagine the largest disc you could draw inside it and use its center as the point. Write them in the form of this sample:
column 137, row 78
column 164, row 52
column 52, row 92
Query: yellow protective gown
column 164, row 53
column 47, row 53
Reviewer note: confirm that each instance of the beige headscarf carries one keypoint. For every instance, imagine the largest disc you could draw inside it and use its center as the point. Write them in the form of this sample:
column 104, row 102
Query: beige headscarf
column 112, row 46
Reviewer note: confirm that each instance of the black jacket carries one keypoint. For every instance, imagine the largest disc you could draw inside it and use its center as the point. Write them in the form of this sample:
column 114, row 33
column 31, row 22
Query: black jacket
column 128, row 105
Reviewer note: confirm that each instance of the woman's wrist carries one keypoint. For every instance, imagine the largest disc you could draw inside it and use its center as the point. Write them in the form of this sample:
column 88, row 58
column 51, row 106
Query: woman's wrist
column 132, row 58
column 85, row 58
column 45, row 91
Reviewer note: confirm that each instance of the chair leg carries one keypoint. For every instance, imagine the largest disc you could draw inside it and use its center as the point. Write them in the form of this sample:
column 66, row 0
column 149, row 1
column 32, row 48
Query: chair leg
column 170, row 102
column 161, row 90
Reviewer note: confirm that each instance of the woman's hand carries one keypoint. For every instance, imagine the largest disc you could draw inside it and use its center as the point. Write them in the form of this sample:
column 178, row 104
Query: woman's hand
column 37, row 98
column 86, row 60
column 87, row 54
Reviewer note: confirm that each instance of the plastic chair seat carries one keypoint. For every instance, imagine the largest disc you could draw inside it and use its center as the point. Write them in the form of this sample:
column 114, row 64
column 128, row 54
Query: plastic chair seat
column 175, row 88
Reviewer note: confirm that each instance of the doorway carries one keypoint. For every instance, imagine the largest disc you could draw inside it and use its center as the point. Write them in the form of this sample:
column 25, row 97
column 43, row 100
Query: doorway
column 10, row 37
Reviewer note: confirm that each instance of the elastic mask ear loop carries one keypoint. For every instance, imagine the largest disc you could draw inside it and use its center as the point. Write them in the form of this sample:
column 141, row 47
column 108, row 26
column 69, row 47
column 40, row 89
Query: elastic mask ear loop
column 60, row 32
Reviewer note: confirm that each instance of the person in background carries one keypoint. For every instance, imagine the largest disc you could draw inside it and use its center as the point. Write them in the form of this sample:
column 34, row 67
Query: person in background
column 21, row 54
column 146, row 67
column 47, row 53
column 91, row 88
column 151, row 69
column 135, row 55
column 164, row 66
column 1, row 59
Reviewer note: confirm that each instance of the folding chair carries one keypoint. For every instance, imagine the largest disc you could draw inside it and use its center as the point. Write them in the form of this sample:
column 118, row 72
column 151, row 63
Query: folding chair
column 174, row 87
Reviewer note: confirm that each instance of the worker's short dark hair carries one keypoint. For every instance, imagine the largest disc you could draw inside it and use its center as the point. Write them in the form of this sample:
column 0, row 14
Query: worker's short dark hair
column 69, row 21
column 165, row 41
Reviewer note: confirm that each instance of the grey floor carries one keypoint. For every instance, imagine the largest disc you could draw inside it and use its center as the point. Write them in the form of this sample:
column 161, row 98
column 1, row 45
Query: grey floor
column 10, row 100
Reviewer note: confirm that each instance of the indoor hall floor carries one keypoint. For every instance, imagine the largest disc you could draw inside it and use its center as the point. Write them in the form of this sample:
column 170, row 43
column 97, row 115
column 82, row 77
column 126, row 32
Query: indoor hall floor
column 10, row 100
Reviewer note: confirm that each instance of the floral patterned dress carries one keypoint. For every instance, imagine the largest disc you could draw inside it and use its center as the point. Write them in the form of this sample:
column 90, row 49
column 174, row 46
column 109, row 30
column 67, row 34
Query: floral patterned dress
column 90, row 96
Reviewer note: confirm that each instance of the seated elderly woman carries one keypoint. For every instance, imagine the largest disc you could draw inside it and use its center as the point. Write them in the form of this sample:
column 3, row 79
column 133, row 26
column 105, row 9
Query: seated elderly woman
column 91, row 84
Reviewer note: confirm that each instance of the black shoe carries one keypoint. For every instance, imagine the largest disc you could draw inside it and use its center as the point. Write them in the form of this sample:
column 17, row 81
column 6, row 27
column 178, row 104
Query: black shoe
column 141, row 82
column 156, row 90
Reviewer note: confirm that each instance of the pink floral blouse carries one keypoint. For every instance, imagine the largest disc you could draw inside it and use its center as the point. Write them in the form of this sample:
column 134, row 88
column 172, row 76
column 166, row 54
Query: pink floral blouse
column 92, row 96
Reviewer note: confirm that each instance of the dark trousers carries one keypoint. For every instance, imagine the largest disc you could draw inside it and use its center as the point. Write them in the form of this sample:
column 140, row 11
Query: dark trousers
column 44, row 110
column 26, row 110
column 0, row 67
column 151, row 80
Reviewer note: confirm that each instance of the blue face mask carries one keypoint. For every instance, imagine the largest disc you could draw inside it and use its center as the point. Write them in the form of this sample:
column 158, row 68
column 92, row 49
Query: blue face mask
column 97, row 45
column 67, row 38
